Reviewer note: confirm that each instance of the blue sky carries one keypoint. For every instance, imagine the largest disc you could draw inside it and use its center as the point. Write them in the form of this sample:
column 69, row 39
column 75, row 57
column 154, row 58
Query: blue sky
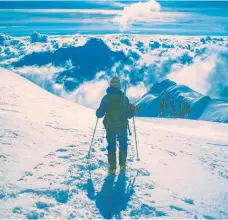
column 108, row 17
column 119, row 0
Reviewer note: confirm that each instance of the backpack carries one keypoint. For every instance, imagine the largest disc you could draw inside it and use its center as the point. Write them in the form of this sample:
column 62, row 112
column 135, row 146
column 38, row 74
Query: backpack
column 116, row 113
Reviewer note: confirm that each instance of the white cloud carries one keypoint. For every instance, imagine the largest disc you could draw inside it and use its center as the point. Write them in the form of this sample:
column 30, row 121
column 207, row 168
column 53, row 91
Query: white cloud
column 137, row 12
column 207, row 74
column 134, row 93
column 88, row 93
column 196, row 75
column 218, row 78
column 42, row 76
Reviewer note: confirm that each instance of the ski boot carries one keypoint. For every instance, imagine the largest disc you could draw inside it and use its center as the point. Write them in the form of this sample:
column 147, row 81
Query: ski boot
column 122, row 168
column 112, row 162
column 112, row 171
column 122, row 160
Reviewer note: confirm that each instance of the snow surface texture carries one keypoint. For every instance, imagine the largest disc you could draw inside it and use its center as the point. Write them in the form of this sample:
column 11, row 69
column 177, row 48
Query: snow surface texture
column 74, row 67
column 44, row 140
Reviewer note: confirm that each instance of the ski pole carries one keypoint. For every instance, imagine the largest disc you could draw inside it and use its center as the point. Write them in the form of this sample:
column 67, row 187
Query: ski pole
column 129, row 130
column 136, row 139
column 88, row 156
column 125, row 92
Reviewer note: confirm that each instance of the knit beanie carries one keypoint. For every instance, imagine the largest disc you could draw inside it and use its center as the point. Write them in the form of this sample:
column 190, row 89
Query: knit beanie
column 115, row 83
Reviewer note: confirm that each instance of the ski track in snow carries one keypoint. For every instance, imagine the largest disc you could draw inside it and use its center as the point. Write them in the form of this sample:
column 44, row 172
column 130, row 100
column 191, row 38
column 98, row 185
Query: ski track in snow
column 44, row 141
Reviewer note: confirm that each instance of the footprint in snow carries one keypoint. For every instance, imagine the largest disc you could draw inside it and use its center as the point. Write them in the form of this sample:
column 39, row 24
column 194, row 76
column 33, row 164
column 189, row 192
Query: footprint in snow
column 143, row 172
column 224, row 213
column 2, row 195
column 102, row 149
column 171, row 153
column 34, row 215
column 146, row 210
column 71, row 145
column 64, row 157
column 6, row 143
column 131, row 159
column 38, row 166
column 189, row 201
column 54, row 163
column 92, row 166
column 50, row 155
column 27, row 173
column 42, row 205
column 62, row 196
column 177, row 208
column 208, row 217
column 101, row 163
column 61, row 150
column 17, row 210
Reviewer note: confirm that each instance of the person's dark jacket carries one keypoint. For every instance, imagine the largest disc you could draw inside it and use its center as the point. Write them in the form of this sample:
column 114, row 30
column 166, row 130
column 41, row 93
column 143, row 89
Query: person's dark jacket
column 116, row 108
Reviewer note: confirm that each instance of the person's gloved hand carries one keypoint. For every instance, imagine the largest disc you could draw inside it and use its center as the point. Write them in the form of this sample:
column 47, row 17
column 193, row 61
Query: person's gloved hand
column 132, row 108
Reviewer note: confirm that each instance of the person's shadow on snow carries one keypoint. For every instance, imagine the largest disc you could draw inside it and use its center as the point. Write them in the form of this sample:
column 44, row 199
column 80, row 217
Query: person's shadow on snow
column 113, row 196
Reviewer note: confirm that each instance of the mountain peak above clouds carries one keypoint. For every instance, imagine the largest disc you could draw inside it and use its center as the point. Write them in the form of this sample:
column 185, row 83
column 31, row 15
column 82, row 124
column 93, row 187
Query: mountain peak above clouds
column 161, row 85
column 168, row 99
column 96, row 43
column 86, row 61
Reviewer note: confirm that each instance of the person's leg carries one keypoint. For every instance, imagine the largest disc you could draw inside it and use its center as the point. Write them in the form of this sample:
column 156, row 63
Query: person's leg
column 111, row 139
column 122, row 138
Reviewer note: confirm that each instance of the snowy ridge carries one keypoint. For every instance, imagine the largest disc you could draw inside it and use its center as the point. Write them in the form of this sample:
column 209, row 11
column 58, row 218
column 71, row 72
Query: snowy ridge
column 216, row 110
column 44, row 141
column 167, row 99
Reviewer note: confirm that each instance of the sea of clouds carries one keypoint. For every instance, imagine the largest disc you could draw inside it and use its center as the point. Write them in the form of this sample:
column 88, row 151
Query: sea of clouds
column 198, row 62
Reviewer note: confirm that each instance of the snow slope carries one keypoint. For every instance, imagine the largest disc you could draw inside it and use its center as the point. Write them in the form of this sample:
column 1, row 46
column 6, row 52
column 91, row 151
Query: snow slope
column 168, row 99
column 44, row 140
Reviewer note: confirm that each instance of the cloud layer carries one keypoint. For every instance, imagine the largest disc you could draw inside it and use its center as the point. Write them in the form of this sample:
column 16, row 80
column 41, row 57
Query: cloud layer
column 198, row 62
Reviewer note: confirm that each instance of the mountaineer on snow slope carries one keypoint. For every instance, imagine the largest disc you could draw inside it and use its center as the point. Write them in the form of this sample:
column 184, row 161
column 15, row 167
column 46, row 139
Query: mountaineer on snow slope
column 117, row 110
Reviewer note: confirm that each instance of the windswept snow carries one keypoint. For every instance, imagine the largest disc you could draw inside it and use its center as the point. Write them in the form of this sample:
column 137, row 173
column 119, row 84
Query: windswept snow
column 44, row 140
